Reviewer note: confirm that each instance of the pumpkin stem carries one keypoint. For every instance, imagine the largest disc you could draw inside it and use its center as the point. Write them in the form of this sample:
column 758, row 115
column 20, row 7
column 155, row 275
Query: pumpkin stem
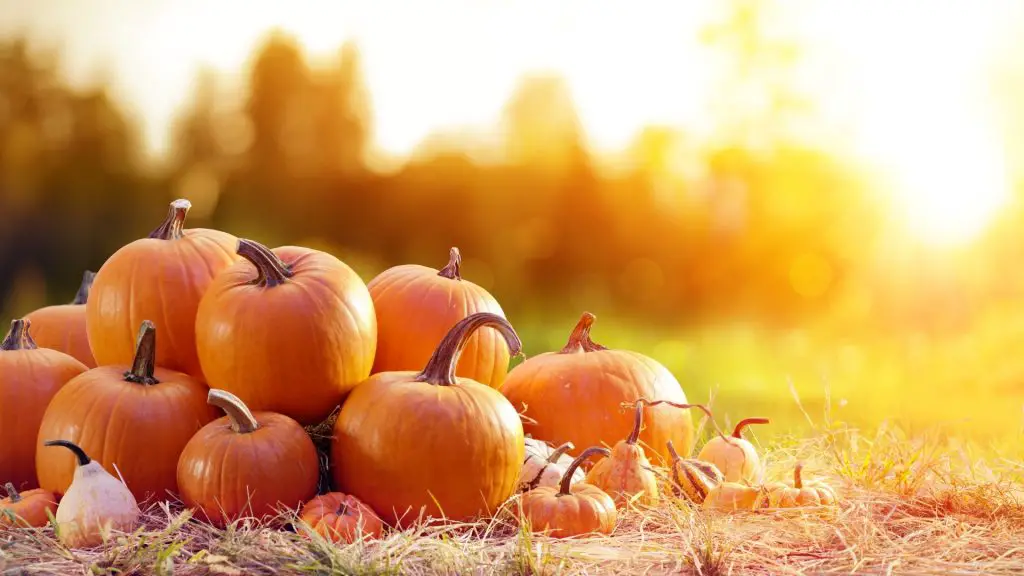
column 453, row 270
column 18, row 337
column 270, row 269
column 342, row 509
column 173, row 227
column 83, row 458
column 701, row 407
column 83, row 289
column 144, row 363
column 557, row 452
column 580, row 337
column 566, row 483
column 737, row 432
column 440, row 369
column 798, row 481
column 672, row 452
column 242, row 420
column 638, row 421
column 12, row 492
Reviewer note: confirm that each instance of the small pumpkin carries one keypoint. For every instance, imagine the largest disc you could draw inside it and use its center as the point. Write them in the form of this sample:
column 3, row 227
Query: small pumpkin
column 692, row 478
column 545, row 466
column 162, row 278
column 735, row 456
column 246, row 464
column 94, row 505
column 800, row 493
column 407, row 442
column 29, row 378
column 733, row 496
column 62, row 326
column 135, row 417
column 27, row 508
column 590, row 382
column 341, row 518
column 417, row 305
column 289, row 315
column 570, row 509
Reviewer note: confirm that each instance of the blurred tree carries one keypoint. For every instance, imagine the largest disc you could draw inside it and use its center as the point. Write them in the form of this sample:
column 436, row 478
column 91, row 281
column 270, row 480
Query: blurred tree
column 343, row 129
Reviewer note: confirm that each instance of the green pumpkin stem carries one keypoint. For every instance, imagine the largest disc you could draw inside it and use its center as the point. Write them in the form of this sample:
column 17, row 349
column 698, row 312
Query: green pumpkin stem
column 173, row 227
column 12, row 492
column 18, row 337
column 271, row 271
column 453, row 271
column 144, row 363
column 580, row 340
column 242, row 420
column 558, row 452
column 80, row 454
column 82, row 296
column 737, row 432
column 440, row 369
column 565, row 484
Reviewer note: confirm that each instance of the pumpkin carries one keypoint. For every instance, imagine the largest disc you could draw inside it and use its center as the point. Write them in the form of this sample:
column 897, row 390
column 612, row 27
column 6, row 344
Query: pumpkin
column 732, row 496
column 800, row 493
column 692, row 478
column 247, row 464
column 29, row 378
column 417, row 305
column 27, row 508
column 62, row 326
column 94, row 505
column 289, row 330
column 734, row 456
column 341, row 518
column 570, row 509
column 545, row 466
column 160, row 278
column 406, row 442
column 590, row 382
column 133, row 419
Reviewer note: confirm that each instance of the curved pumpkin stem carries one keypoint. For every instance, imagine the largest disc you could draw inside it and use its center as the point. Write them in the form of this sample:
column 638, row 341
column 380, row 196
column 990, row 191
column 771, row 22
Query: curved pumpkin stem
column 144, row 364
column 580, row 337
column 737, row 432
column 440, row 369
column 242, row 420
column 798, row 481
column 453, row 270
column 82, row 296
column 558, row 452
column 701, row 407
column 173, row 227
column 12, row 492
column 270, row 270
column 80, row 454
column 565, row 484
column 18, row 337
column 672, row 452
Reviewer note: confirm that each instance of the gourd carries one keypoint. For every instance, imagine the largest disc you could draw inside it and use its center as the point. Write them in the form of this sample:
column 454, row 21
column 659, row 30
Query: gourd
column 62, row 326
column 590, row 382
column 246, row 464
column 800, row 493
column 135, row 417
column 735, row 456
column 692, row 478
column 162, row 278
column 417, row 305
column 289, row 330
column 570, row 509
column 733, row 496
column 29, row 378
column 431, row 442
column 26, row 509
column 544, row 466
column 94, row 505
column 341, row 518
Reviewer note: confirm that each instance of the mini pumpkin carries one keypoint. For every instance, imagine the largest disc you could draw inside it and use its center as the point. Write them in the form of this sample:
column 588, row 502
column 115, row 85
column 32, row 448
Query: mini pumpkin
column 692, row 478
column 27, row 508
column 62, row 326
column 544, row 466
column 570, row 509
column 735, row 456
column 733, row 496
column 341, row 518
column 800, row 493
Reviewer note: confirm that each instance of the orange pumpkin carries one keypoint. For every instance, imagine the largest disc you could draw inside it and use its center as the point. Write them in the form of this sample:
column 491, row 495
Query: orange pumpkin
column 132, row 419
column 406, row 441
column 341, row 518
column 247, row 464
column 733, row 496
column 160, row 278
column 62, row 326
column 800, row 493
column 29, row 378
column 590, row 382
column 289, row 331
column 26, row 508
column 416, row 306
column 570, row 509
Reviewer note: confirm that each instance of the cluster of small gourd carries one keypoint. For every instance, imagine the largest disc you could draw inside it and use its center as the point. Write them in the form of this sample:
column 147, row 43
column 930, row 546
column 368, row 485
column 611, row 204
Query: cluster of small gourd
column 277, row 340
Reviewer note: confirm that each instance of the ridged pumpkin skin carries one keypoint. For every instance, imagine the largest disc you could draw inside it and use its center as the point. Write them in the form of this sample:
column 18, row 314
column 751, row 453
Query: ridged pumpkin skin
column 404, row 439
column 575, row 395
column 416, row 306
column 160, row 278
column 290, row 331
column 62, row 327
column 28, row 508
column 29, row 379
column 341, row 518
column 800, row 493
column 136, row 417
column 570, row 509
column 692, row 478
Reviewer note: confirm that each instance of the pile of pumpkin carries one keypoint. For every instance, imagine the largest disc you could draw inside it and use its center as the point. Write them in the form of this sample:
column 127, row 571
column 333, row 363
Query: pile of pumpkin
column 116, row 399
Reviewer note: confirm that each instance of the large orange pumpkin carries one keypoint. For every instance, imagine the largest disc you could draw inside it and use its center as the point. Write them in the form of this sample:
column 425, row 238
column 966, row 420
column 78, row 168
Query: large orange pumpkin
column 575, row 395
column 416, row 306
column 29, row 378
column 289, row 331
column 62, row 326
column 160, row 278
column 132, row 419
column 407, row 442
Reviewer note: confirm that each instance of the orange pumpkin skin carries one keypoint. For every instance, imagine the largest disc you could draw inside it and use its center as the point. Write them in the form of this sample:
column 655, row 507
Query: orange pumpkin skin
column 417, row 305
column 590, row 382
column 29, row 378
column 132, row 419
column 800, row 493
column 341, row 518
column 62, row 327
column 27, row 508
column 570, row 510
column 246, row 465
column 160, row 278
column 406, row 442
column 289, row 331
